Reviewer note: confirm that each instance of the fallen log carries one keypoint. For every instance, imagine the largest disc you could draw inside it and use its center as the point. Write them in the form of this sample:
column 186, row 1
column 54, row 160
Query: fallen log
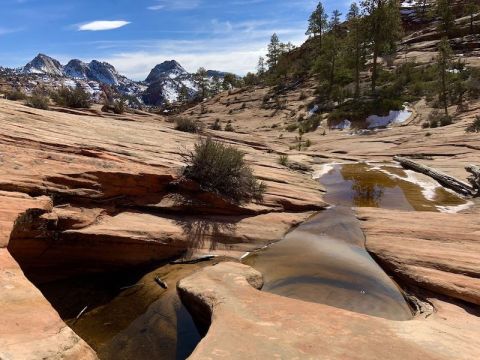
column 444, row 179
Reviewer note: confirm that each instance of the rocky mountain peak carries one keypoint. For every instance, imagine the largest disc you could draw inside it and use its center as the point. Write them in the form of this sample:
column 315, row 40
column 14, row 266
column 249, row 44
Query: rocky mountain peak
column 43, row 64
column 76, row 69
column 171, row 69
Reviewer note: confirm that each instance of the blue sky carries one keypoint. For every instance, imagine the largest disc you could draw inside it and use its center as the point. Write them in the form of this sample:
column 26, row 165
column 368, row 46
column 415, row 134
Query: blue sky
column 135, row 35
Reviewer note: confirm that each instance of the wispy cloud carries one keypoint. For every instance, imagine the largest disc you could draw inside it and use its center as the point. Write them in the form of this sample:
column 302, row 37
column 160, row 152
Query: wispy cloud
column 174, row 5
column 102, row 25
column 231, row 46
column 5, row 31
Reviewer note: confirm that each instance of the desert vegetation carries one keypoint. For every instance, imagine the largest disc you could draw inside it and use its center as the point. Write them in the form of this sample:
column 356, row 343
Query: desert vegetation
column 186, row 124
column 72, row 98
column 222, row 169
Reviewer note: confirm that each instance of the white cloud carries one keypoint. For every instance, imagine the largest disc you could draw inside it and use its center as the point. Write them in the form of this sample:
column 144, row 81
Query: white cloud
column 175, row 5
column 102, row 25
column 235, row 51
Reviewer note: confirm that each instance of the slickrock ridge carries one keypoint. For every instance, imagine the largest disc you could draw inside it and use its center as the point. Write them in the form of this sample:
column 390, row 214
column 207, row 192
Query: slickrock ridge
column 99, row 192
column 30, row 327
column 246, row 323
column 437, row 252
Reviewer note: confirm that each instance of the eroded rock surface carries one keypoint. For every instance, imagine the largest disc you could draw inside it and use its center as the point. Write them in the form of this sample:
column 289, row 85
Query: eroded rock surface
column 30, row 327
column 93, row 192
column 247, row 323
column 437, row 252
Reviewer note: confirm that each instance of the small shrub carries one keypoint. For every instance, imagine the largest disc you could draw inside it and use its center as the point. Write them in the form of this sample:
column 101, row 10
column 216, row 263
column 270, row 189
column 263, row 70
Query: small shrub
column 75, row 99
column 229, row 128
column 37, row 102
column 311, row 124
column 425, row 125
column 302, row 96
column 283, row 160
column 216, row 125
column 428, row 134
column 292, row 127
column 474, row 127
column 187, row 125
column 445, row 120
column 15, row 95
column 119, row 106
column 222, row 169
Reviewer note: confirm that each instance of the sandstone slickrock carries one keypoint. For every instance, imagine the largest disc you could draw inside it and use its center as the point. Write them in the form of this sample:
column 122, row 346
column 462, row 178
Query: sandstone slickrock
column 30, row 327
column 437, row 252
column 98, row 192
column 247, row 323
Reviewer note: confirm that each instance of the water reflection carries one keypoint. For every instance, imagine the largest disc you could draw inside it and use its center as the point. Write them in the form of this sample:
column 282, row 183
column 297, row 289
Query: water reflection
column 324, row 261
column 388, row 187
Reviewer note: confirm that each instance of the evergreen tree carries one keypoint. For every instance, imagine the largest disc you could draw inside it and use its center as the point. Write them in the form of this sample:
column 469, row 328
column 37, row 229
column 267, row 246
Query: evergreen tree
column 274, row 51
column 216, row 85
column 261, row 70
column 317, row 23
column 384, row 26
column 472, row 8
column 446, row 16
column 334, row 27
column 354, row 43
column 183, row 96
column 421, row 8
column 444, row 61
column 201, row 78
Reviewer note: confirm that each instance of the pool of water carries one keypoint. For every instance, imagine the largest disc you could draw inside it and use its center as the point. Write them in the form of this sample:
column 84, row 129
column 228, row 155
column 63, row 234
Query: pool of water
column 325, row 261
column 387, row 187
column 128, row 316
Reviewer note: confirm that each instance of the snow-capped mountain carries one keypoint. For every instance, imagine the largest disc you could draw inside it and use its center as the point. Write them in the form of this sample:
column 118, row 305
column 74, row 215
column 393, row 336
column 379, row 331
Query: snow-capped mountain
column 171, row 69
column 43, row 64
column 165, row 82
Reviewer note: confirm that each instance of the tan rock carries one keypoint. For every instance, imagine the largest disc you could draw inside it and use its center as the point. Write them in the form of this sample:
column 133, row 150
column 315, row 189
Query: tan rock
column 438, row 252
column 30, row 327
column 247, row 323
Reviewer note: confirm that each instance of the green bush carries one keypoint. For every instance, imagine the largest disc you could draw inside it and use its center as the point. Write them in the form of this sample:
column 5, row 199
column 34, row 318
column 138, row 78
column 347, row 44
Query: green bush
column 187, row 125
column 292, row 127
column 119, row 106
column 474, row 127
column 445, row 120
column 15, row 95
column 37, row 102
column 222, row 169
column 229, row 128
column 310, row 124
column 75, row 99
column 283, row 160
column 216, row 125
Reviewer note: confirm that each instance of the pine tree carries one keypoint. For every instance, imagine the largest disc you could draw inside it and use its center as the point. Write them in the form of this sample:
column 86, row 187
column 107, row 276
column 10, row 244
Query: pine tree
column 355, row 41
column 274, row 51
column 472, row 8
column 334, row 27
column 201, row 78
column 421, row 8
column 261, row 70
column 384, row 26
column 183, row 96
column 317, row 23
column 444, row 61
column 446, row 16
